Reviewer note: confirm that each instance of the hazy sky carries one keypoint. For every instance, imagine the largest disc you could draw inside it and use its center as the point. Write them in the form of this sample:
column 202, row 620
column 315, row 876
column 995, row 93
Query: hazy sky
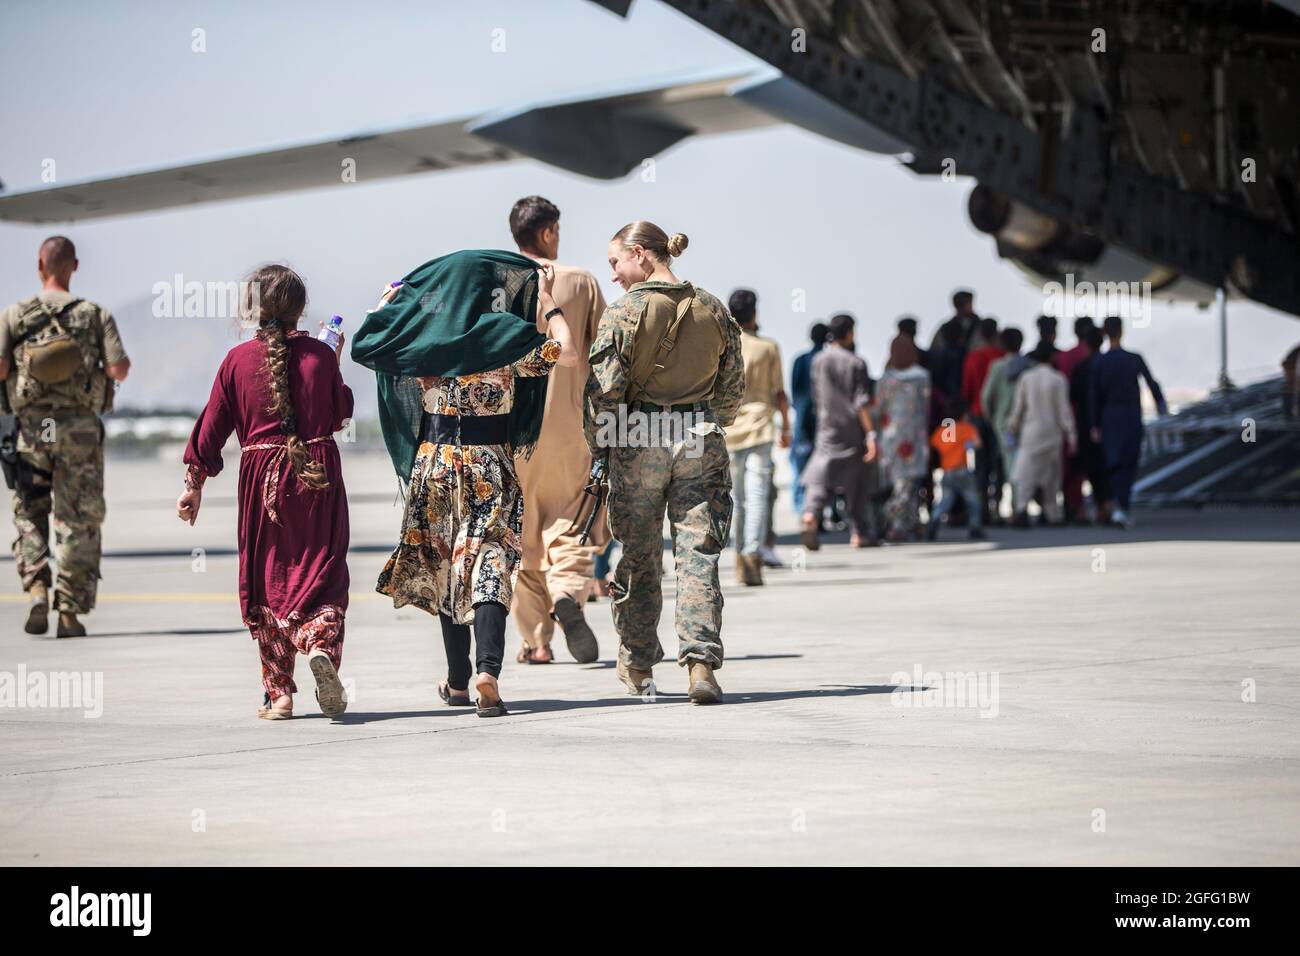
column 778, row 210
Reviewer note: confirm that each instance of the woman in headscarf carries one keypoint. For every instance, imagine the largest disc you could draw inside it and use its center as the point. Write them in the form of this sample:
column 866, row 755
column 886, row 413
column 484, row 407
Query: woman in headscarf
column 902, row 403
column 462, row 387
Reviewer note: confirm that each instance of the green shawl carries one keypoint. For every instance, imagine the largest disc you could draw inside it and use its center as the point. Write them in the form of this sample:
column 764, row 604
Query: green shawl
column 467, row 312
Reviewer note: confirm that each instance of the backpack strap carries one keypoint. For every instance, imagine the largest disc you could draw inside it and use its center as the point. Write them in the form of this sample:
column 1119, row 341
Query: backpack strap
column 34, row 307
column 665, row 346
column 99, row 336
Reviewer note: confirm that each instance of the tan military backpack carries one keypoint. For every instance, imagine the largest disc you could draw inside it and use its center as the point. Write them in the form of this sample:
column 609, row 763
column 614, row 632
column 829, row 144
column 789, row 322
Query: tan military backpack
column 62, row 350
column 54, row 357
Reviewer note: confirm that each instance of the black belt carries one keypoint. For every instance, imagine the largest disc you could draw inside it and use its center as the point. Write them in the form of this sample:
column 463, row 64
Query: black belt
column 687, row 407
column 465, row 429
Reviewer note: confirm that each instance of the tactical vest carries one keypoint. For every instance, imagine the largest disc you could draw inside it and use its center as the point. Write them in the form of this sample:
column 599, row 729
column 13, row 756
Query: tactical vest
column 58, row 357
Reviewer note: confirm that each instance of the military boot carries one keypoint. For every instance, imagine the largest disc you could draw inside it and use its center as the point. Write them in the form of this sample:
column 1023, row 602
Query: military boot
column 69, row 626
column 636, row 680
column 38, row 618
column 704, row 688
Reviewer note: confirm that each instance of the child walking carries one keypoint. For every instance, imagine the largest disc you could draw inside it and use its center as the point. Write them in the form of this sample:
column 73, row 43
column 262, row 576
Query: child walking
column 951, row 440
column 283, row 396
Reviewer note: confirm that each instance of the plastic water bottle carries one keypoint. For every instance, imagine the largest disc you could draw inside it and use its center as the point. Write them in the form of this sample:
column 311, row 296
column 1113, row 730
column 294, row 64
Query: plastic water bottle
column 333, row 329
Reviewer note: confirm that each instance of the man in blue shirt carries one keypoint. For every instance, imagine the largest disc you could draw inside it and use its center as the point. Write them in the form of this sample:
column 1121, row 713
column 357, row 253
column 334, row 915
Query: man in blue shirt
column 1115, row 405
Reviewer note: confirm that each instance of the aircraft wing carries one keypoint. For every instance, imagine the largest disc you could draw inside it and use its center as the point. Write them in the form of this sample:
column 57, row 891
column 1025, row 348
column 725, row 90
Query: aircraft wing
column 604, row 137
column 307, row 166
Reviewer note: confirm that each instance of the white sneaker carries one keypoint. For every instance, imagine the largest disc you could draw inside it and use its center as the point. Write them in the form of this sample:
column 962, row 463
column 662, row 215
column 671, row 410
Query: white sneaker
column 1120, row 519
column 770, row 558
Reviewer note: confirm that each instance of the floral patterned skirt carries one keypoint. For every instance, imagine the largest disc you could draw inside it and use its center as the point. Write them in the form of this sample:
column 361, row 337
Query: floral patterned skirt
column 460, row 542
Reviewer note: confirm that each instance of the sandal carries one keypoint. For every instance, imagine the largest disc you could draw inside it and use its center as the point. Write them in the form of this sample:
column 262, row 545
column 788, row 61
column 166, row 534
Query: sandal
column 497, row 709
column 457, row 699
column 529, row 655
column 267, row 712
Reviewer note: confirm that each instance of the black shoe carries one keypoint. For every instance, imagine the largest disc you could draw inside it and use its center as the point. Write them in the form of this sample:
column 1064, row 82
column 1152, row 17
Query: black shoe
column 577, row 632
column 38, row 619
column 75, row 629
column 977, row 534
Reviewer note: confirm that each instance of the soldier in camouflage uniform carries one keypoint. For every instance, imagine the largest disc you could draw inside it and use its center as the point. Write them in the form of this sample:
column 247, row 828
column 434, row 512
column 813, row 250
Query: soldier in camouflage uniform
column 665, row 347
column 59, row 358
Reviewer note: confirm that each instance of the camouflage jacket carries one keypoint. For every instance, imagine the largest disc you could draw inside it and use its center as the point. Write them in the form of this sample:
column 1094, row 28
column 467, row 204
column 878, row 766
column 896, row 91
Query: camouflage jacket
column 612, row 356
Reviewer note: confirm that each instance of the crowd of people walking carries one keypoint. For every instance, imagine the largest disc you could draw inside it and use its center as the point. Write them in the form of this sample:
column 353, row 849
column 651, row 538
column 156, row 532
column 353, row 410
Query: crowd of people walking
column 1007, row 431
column 514, row 401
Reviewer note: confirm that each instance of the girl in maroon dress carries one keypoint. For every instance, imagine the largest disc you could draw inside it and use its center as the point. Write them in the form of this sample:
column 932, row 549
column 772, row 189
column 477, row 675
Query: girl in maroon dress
column 283, row 396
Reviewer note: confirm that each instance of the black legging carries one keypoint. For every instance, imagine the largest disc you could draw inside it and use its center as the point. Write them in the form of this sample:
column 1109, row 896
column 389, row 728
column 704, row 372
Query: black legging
column 490, row 643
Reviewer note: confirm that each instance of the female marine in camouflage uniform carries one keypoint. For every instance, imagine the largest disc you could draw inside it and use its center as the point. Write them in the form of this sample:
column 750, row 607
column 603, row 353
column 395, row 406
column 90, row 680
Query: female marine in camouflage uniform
column 667, row 347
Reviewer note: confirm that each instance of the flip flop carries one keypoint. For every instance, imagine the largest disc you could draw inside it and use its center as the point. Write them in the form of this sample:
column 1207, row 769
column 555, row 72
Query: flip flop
column 267, row 712
column 491, row 710
column 450, row 699
column 526, row 656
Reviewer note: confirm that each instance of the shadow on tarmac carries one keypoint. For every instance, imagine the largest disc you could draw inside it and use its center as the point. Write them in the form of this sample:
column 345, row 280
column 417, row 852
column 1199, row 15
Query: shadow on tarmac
column 1226, row 524
column 519, row 708
column 609, row 665
column 166, row 632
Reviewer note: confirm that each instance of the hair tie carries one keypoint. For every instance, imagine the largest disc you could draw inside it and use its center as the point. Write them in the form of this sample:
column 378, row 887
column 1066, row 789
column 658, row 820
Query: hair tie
column 289, row 425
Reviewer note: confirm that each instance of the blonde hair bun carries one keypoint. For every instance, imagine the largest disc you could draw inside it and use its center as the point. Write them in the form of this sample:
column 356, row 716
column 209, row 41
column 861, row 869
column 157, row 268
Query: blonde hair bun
column 677, row 244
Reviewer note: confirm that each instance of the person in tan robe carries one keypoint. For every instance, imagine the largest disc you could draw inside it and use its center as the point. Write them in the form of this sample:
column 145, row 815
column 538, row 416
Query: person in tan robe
column 556, row 569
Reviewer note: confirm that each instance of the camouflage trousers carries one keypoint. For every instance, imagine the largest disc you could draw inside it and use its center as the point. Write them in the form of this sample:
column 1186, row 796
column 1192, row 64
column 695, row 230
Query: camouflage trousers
column 69, row 445
column 691, row 483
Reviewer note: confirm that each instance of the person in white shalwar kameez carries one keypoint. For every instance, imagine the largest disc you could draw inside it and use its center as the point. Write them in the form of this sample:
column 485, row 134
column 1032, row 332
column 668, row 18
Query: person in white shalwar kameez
column 1040, row 421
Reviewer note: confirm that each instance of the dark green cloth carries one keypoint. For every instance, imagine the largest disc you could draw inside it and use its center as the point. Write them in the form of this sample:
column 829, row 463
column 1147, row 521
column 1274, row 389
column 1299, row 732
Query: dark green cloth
column 467, row 312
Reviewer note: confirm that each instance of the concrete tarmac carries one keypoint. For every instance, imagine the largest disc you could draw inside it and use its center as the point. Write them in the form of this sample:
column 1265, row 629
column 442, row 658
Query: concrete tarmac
column 1071, row 696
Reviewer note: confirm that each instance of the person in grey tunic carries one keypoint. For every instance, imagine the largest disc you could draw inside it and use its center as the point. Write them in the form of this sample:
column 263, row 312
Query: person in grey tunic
column 846, row 439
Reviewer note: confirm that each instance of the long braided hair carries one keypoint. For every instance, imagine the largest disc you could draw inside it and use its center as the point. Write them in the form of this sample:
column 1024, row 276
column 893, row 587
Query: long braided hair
column 274, row 298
